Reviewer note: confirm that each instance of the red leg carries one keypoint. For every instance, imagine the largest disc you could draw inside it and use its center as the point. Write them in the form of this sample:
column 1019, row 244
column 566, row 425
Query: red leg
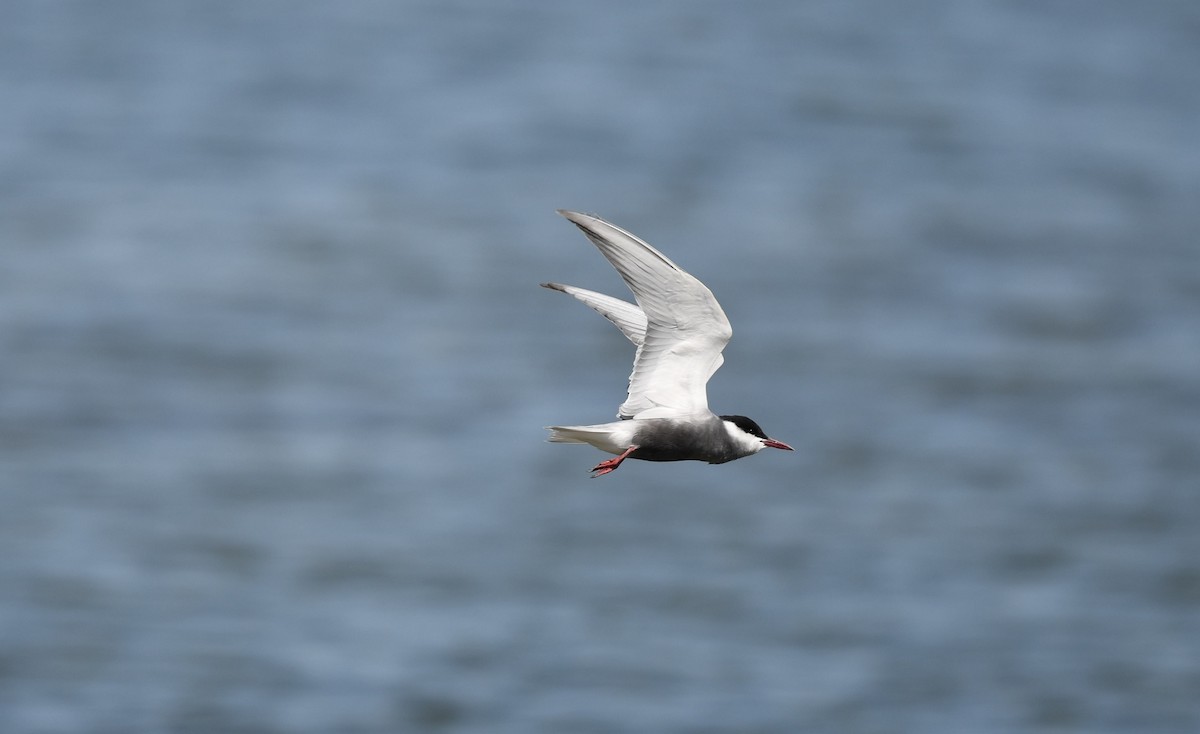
column 610, row 465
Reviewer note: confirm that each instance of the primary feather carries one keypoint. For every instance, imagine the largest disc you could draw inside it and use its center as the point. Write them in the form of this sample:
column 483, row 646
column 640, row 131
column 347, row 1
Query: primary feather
column 626, row 316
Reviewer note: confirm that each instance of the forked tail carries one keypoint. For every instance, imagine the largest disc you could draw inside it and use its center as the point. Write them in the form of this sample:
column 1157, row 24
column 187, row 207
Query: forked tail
column 611, row 437
column 569, row 434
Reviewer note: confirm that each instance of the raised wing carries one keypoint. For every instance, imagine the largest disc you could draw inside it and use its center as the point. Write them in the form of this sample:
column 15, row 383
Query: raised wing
column 627, row 317
column 686, row 329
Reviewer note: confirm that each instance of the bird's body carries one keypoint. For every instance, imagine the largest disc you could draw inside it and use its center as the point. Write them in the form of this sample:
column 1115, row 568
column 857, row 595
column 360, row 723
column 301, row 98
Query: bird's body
column 703, row 437
column 679, row 330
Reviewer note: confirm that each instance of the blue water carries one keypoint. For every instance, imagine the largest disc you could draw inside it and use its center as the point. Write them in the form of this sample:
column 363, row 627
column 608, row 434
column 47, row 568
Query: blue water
column 275, row 367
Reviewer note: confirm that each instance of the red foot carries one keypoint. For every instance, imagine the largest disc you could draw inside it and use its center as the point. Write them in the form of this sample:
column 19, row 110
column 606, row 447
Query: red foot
column 610, row 465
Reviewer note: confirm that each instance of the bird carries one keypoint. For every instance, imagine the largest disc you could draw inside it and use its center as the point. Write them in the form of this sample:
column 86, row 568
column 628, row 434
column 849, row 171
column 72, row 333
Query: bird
column 679, row 331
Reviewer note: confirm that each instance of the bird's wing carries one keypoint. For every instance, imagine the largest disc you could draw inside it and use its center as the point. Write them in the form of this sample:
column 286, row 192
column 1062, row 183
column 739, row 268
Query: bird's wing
column 627, row 317
column 685, row 326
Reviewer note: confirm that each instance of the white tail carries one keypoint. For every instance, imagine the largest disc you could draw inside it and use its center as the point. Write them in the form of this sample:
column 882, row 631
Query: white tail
column 570, row 434
column 611, row 437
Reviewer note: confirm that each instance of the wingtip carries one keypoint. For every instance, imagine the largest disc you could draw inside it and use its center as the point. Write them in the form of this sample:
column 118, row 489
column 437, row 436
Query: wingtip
column 555, row 286
column 575, row 217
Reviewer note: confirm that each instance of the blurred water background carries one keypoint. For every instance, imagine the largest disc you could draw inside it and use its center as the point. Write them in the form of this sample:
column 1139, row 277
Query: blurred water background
column 275, row 367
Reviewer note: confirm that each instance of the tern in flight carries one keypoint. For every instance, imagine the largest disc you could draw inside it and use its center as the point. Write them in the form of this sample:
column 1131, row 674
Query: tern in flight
column 679, row 330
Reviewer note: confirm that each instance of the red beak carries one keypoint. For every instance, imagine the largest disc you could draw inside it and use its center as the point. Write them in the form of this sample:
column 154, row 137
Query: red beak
column 777, row 444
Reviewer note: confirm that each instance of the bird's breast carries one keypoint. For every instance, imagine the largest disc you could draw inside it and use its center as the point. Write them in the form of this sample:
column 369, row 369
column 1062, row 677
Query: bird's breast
column 673, row 440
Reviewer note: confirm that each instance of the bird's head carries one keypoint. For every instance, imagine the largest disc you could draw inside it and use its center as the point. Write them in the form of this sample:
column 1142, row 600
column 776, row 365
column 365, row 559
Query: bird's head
column 749, row 435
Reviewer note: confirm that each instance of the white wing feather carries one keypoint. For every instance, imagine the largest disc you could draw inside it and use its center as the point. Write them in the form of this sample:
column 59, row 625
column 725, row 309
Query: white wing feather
column 685, row 331
column 626, row 316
